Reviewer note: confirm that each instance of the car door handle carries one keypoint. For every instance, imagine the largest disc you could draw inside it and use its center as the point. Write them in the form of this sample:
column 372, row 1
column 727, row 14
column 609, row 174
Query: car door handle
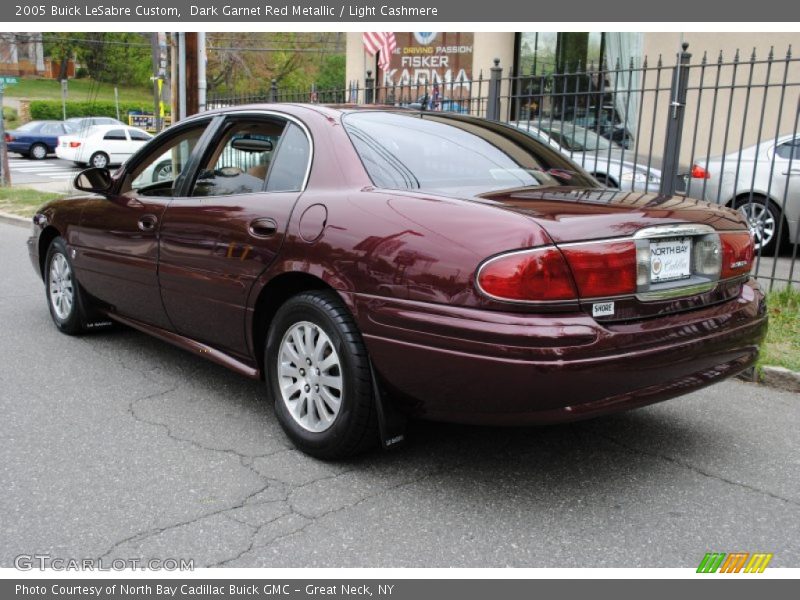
column 148, row 222
column 263, row 228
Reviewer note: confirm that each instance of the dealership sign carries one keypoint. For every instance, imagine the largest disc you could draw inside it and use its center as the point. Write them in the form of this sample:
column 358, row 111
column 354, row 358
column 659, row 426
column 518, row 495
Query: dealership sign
column 425, row 58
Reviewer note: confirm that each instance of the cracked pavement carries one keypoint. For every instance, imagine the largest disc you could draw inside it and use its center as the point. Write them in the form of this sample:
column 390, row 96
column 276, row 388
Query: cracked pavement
column 121, row 446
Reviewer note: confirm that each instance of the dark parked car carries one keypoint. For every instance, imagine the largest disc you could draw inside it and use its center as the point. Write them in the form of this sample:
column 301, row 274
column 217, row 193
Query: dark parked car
column 377, row 264
column 36, row 139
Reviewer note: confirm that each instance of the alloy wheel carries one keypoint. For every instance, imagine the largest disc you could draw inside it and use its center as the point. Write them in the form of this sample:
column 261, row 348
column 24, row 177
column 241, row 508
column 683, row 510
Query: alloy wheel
column 761, row 222
column 62, row 290
column 310, row 376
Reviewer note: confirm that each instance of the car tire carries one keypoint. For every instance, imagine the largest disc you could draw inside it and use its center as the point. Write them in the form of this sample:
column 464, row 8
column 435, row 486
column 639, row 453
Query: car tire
column 764, row 219
column 78, row 163
column 38, row 152
column 319, row 378
column 65, row 298
column 99, row 160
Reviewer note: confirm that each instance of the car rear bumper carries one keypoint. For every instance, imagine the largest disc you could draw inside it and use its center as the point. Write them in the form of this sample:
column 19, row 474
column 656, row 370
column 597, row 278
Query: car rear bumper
column 473, row 366
column 18, row 147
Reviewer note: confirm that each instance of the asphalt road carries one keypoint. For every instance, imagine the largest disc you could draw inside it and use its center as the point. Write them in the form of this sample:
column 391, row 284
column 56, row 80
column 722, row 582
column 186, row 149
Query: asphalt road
column 25, row 171
column 118, row 445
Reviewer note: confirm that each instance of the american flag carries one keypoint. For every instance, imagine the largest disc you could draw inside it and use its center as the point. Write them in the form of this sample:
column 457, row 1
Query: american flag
column 380, row 41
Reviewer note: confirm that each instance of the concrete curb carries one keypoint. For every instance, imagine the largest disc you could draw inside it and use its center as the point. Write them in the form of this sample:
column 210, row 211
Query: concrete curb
column 15, row 220
column 780, row 378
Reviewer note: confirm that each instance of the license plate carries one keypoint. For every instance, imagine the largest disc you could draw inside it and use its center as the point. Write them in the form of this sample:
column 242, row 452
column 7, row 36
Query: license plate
column 670, row 259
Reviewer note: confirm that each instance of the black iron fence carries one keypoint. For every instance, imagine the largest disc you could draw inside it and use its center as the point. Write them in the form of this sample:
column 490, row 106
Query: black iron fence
column 720, row 129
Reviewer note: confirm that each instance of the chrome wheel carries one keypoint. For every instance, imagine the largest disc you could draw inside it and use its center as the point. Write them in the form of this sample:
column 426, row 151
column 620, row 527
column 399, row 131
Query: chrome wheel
column 62, row 291
column 310, row 377
column 761, row 221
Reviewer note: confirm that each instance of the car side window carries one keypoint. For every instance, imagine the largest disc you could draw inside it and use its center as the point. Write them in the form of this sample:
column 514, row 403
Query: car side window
column 789, row 150
column 157, row 173
column 52, row 129
column 289, row 168
column 239, row 163
column 115, row 134
column 139, row 136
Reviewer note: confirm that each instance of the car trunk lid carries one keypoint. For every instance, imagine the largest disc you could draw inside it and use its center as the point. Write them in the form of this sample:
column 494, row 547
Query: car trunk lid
column 673, row 243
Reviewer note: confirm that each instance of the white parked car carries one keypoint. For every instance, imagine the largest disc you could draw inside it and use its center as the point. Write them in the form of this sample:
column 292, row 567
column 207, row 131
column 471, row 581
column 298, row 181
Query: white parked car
column 763, row 182
column 607, row 161
column 102, row 145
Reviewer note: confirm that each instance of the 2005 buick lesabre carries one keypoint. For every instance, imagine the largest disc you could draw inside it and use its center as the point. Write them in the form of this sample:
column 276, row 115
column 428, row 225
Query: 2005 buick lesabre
column 370, row 264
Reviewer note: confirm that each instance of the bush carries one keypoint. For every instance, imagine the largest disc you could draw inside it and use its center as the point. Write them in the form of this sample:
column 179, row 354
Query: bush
column 51, row 109
column 10, row 114
column 81, row 73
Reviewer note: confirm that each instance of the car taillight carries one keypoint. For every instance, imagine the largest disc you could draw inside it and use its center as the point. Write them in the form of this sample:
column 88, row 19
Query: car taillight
column 699, row 172
column 603, row 268
column 9, row 138
column 74, row 144
column 737, row 253
column 537, row 275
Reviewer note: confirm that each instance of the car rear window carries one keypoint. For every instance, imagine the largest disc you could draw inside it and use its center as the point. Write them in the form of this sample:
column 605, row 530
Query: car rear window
column 442, row 153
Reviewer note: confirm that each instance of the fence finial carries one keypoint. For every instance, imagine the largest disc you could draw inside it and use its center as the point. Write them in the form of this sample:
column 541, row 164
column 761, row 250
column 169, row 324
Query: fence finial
column 753, row 55
column 496, row 62
column 705, row 58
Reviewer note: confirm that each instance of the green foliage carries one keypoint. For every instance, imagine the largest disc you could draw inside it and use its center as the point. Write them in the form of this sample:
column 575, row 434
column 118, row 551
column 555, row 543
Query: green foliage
column 10, row 114
column 114, row 57
column 782, row 347
column 51, row 109
column 331, row 73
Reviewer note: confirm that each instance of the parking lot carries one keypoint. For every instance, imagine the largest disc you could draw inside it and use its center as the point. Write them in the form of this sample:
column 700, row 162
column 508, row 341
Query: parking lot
column 118, row 445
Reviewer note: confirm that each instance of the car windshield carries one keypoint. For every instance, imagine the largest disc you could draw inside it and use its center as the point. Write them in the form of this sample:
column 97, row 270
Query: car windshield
column 435, row 152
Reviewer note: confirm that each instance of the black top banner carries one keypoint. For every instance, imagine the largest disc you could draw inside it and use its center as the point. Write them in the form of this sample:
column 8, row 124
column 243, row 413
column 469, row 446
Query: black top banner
column 310, row 11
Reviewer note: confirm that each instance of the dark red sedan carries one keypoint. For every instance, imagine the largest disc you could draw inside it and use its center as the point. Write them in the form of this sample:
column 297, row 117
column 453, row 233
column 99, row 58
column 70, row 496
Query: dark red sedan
column 376, row 264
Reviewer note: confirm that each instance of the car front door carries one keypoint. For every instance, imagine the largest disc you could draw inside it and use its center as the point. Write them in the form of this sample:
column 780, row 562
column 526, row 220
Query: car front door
column 117, row 240
column 219, row 239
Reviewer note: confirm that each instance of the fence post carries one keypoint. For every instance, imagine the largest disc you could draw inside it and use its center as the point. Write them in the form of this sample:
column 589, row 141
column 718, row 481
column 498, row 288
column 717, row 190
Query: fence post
column 672, row 143
column 493, row 102
column 273, row 91
column 369, row 88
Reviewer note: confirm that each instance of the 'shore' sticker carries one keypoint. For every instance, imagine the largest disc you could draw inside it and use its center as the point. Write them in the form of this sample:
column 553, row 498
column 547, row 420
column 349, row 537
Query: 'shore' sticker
column 602, row 309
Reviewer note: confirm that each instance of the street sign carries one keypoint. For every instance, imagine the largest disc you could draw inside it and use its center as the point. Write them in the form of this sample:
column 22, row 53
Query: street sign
column 9, row 80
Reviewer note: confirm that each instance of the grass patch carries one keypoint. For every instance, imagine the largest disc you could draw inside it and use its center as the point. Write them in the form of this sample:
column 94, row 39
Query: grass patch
column 782, row 347
column 79, row 90
column 23, row 201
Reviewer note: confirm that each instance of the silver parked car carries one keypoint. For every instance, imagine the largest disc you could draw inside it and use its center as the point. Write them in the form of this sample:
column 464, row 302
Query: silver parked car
column 763, row 181
column 609, row 162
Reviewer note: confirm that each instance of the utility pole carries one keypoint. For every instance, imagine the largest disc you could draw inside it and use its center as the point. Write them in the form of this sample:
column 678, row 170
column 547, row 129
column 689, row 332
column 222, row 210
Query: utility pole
column 155, row 79
column 5, row 174
column 192, row 71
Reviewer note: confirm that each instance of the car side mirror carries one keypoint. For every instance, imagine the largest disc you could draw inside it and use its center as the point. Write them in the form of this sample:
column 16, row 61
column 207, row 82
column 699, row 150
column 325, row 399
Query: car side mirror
column 95, row 180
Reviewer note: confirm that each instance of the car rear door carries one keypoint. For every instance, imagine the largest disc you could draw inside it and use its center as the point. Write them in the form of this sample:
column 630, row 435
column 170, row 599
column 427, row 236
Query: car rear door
column 116, row 144
column 218, row 240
